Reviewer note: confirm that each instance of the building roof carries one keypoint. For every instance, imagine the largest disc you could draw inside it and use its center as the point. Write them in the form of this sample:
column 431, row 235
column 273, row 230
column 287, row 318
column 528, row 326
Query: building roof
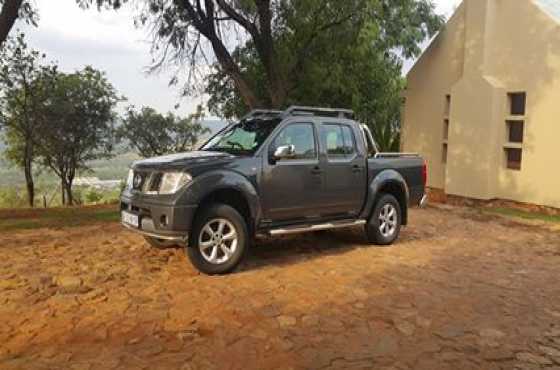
column 551, row 7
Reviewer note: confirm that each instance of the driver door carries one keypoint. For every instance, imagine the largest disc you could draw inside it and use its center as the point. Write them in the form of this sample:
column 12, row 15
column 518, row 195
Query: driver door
column 291, row 186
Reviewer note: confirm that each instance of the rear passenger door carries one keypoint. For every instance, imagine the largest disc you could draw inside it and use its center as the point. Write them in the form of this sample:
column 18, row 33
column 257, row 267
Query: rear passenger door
column 344, row 170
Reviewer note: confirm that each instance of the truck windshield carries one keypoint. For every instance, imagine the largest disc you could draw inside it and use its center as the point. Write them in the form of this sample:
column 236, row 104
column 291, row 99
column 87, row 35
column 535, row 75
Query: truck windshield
column 243, row 138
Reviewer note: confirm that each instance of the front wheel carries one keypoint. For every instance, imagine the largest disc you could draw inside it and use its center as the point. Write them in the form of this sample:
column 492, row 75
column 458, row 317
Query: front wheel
column 384, row 225
column 219, row 240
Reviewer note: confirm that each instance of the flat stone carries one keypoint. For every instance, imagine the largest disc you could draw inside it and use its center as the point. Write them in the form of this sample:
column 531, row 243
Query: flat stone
column 387, row 345
column 405, row 327
column 533, row 359
column 498, row 355
column 552, row 313
column 423, row 322
column 450, row 356
column 258, row 334
column 553, row 333
column 488, row 342
column 68, row 284
column 285, row 321
column 550, row 351
column 270, row 311
column 310, row 320
column 491, row 333
column 8, row 285
column 360, row 294
column 450, row 332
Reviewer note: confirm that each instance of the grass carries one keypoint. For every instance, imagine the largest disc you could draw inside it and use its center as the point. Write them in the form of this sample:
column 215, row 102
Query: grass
column 27, row 219
column 512, row 212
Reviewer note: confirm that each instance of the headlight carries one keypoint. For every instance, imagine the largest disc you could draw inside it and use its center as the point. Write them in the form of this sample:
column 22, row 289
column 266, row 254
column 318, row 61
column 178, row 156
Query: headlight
column 171, row 182
column 129, row 179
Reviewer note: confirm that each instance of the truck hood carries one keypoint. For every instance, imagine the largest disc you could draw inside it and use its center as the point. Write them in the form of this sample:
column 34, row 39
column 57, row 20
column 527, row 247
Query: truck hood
column 180, row 160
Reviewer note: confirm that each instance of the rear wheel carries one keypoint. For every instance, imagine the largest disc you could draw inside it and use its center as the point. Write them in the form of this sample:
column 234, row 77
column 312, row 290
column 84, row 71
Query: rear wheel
column 219, row 240
column 384, row 225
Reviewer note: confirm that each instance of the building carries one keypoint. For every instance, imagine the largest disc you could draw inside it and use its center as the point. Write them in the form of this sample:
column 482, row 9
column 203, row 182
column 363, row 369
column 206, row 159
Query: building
column 483, row 102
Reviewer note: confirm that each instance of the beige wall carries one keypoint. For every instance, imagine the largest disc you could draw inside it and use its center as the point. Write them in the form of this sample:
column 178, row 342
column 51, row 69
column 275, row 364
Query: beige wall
column 489, row 48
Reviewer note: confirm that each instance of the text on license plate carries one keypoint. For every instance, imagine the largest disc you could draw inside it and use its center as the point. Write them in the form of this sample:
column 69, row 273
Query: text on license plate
column 130, row 219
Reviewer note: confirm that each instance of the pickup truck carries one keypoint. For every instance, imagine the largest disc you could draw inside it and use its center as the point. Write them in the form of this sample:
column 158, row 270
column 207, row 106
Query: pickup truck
column 272, row 173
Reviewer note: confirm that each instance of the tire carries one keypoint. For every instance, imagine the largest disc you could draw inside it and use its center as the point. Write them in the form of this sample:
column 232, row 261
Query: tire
column 159, row 243
column 384, row 225
column 207, row 250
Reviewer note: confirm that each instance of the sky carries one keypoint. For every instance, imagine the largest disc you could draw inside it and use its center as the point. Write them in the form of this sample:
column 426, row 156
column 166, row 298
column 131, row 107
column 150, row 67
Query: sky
column 109, row 41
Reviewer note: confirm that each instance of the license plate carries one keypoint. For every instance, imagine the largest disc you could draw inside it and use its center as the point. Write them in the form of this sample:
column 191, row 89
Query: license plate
column 130, row 219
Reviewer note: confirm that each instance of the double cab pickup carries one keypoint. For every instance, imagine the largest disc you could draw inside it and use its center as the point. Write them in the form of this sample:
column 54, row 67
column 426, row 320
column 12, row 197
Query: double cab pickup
column 272, row 173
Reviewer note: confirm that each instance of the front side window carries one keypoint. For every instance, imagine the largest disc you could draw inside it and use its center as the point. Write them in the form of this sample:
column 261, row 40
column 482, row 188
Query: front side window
column 242, row 138
column 338, row 140
column 302, row 137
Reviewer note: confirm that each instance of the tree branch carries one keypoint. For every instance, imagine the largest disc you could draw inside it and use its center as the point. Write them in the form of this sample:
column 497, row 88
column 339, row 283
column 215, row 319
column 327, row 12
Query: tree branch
column 239, row 19
column 8, row 16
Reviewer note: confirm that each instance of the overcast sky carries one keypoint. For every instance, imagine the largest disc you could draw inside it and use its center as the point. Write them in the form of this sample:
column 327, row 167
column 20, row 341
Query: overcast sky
column 109, row 41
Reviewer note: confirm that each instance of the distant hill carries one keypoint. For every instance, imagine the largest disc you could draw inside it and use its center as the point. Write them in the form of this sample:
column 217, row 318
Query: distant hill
column 113, row 169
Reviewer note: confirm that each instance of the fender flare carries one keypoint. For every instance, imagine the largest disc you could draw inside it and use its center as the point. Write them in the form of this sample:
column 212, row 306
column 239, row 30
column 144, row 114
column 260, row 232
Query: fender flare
column 219, row 180
column 383, row 179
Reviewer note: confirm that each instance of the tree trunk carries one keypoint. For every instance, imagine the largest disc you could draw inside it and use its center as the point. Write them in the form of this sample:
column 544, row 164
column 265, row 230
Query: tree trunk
column 28, row 170
column 69, row 195
column 62, row 193
column 231, row 68
column 265, row 48
column 8, row 16
column 29, row 183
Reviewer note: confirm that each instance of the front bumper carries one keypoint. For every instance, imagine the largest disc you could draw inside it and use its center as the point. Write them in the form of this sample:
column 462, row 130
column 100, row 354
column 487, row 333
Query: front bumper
column 158, row 220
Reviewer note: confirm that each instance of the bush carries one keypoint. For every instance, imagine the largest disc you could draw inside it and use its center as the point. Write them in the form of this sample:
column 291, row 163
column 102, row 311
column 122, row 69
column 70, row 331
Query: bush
column 12, row 197
column 93, row 196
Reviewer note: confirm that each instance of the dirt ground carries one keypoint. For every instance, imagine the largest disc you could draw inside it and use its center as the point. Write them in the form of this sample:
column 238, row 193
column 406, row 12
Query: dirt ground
column 461, row 290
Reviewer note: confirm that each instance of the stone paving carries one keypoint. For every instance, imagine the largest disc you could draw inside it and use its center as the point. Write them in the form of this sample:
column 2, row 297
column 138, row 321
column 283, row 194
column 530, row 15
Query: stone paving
column 461, row 290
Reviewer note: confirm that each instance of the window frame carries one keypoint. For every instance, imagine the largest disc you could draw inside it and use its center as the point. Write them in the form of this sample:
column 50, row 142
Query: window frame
column 507, row 151
column 272, row 143
column 346, row 157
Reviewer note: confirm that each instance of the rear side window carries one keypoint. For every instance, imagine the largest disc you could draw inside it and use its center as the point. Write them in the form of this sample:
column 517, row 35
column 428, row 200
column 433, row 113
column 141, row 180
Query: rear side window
column 338, row 141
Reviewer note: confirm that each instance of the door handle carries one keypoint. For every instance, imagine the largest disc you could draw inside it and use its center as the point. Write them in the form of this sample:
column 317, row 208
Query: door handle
column 356, row 168
column 316, row 171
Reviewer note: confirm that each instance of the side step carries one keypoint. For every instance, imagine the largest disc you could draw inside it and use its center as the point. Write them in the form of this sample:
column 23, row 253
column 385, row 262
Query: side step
column 317, row 227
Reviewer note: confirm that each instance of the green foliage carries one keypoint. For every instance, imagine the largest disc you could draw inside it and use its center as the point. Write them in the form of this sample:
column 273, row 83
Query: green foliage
column 151, row 133
column 518, row 213
column 93, row 196
column 12, row 197
column 77, row 125
column 25, row 88
column 336, row 54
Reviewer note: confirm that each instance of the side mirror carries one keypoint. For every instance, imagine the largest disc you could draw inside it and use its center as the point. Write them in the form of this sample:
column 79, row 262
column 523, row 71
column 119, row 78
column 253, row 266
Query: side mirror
column 284, row 152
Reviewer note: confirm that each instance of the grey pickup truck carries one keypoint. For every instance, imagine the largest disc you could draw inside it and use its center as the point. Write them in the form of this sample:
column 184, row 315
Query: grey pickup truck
column 272, row 173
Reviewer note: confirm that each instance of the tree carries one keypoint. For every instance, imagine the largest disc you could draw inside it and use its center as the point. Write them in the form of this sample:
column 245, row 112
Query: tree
column 184, row 31
column 350, row 72
column 151, row 133
column 25, row 85
column 10, row 11
column 77, row 125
